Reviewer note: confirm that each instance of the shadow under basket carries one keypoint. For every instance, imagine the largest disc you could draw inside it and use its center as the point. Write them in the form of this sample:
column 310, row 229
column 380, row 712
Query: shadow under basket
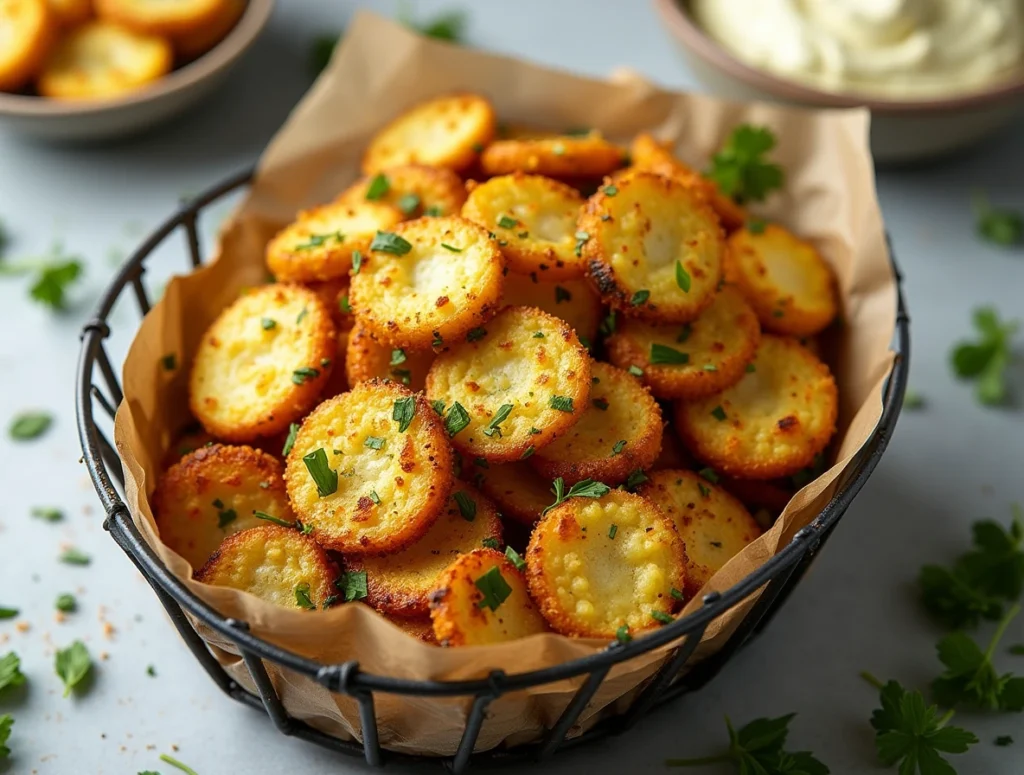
column 778, row 576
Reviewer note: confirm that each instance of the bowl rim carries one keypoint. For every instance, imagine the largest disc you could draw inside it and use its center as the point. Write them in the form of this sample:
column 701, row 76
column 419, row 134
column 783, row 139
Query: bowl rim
column 223, row 54
column 677, row 16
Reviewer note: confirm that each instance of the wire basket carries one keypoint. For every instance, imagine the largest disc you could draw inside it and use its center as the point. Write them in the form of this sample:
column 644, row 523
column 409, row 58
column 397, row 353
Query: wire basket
column 779, row 575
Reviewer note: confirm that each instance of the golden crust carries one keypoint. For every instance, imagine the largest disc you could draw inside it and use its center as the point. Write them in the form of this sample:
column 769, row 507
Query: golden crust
column 785, row 279
column 386, row 498
column 431, row 292
column 274, row 563
column 574, row 301
column 194, row 43
column 188, row 439
column 458, row 617
column 558, row 157
column 443, row 132
column 28, row 31
column 527, row 360
column 70, row 13
column 519, row 491
column 415, row 189
column 589, row 579
column 717, row 346
column 167, row 19
column 713, row 525
column 637, row 239
column 400, row 583
column 769, row 424
column 251, row 377
column 619, row 432
column 769, row 495
column 541, row 238
column 367, row 359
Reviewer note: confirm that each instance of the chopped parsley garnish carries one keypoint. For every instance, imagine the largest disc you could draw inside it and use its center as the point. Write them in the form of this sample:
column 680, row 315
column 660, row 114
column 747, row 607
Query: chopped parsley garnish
column 640, row 297
column 324, row 476
column 457, row 419
column 709, row 367
column 374, row 442
column 986, row 360
column 344, row 306
column 73, row 556
column 299, row 376
column 622, row 634
column 268, row 323
column 515, row 558
column 635, row 479
column 494, row 588
column 751, row 368
column 493, row 427
column 682, row 277
column 30, row 425
column 618, row 447
column 528, row 452
column 378, row 188
column 676, row 594
column 352, row 585
column 270, row 518
column 740, row 170
column 476, row 334
column 534, row 432
column 66, row 603
column 588, row 488
column 225, row 517
column 538, row 335
column 636, row 371
column 177, row 765
column 581, row 240
column 704, row 489
column 169, row 362
column 719, row 414
column 661, row 353
column 661, row 616
column 684, row 333
column 467, row 506
column 507, row 222
column 302, row 597
column 481, row 462
column 709, row 474
column 612, row 531
column 610, row 190
column 600, row 403
column 53, row 281
column 437, row 341
column 389, row 242
column 561, row 403
column 434, row 211
column 319, row 240
column 438, row 406
column 403, row 413
column 1001, row 227
column 452, row 248
column 375, row 497
column 408, row 203
column 561, row 294
column 47, row 513
column 289, row 442
column 72, row 665
column 607, row 326
column 755, row 226
column 357, row 261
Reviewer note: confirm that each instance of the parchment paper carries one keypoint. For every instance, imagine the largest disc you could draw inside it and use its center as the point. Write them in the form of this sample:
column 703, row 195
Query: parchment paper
column 380, row 70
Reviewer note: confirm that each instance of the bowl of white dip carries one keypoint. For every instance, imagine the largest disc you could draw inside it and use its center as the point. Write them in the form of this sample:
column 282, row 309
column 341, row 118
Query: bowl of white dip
column 937, row 75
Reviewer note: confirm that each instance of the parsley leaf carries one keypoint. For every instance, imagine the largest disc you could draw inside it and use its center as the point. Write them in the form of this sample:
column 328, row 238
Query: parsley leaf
column 561, row 403
column 320, row 52
column 389, row 242
column 457, row 419
column 72, row 665
column 499, row 417
column 588, row 488
column 352, row 585
column 6, row 722
column 10, row 671
column 66, row 603
column 404, row 411
column 29, row 425
column 8, row 613
column 986, row 359
column 663, row 354
column 302, row 599
column 494, row 588
column 467, row 506
column 177, row 765
column 739, row 168
column 73, row 556
column 1002, row 227
column 515, row 558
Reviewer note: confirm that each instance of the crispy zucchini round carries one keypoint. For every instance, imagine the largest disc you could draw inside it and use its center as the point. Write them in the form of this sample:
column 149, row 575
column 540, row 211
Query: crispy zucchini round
column 596, row 565
column 193, row 44
column 692, row 360
column 365, row 359
column 769, row 424
column 442, row 280
column 463, row 616
column 400, row 583
column 391, row 485
column 619, row 432
column 443, row 132
column 522, row 384
column 519, row 491
column 574, row 301
column 534, row 219
column 558, row 157
column 415, row 189
column 160, row 18
column 28, row 31
column 70, row 13
column 786, row 281
column 277, row 564
column 653, row 250
column 714, row 525
column 320, row 243
column 263, row 362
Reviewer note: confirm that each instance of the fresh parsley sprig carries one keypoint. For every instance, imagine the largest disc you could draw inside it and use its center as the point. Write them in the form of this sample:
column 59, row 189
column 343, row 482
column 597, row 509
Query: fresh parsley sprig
column 1001, row 227
column 740, row 170
column 588, row 488
column 986, row 359
column 53, row 274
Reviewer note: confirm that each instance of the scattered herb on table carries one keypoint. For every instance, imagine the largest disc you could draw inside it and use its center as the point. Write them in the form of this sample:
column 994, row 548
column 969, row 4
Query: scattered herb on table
column 913, row 400
column 10, row 671
column 29, row 425
column 178, row 765
column 986, row 359
column 72, row 665
column 47, row 513
column 66, row 603
column 73, row 556
column 6, row 722
column 1002, row 227
column 8, row 613
column 740, row 169
column 321, row 50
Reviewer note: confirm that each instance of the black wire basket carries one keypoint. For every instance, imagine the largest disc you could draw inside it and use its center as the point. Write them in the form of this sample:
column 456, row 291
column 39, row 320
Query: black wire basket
column 778, row 576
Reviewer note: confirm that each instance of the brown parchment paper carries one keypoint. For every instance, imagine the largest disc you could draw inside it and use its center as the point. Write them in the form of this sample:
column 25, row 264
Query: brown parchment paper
column 380, row 70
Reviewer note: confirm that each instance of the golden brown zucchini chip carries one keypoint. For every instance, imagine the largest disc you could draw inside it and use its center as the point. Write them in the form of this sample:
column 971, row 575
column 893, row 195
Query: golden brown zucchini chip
column 370, row 470
column 70, row 13
column 534, row 219
column 278, row 564
column 519, row 492
column 559, row 157
column 443, row 132
column 785, row 279
column 514, row 388
column 482, row 598
column 714, row 525
column 574, row 301
column 160, row 18
column 367, row 359
column 690, row 360
column 263, row 362
column 400, row 583
column 192, row 45
column 653, row 249
column 414, row 189
column 619, row 432
column 28, row 31
column 769, row 424
column 597, row 565
column 428, row 283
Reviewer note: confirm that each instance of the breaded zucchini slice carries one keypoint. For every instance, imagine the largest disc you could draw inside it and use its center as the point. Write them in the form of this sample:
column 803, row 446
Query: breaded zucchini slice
column 421, row 629
column 193, row 44
column 653, row 250
column 277, row 564
column 263, row 362
column 519, row 385
column 482, row 598
column 714, row 525
column 690, row 360
column 443, row 132
column 594, row 566
column 213, row 492
column 619, row 432
column 70, row 13
column 334, row 295
column 27, row 33
column 558, row 157
column 786, row 281
column 376, row 486
column 574, row 301
column 367, row 359
column 518, row 490
column 400, row 583
column 320, row 243
column 428, row 283
column 161, row 18
column 534, row 219
column 769, row 424
column 415, row 189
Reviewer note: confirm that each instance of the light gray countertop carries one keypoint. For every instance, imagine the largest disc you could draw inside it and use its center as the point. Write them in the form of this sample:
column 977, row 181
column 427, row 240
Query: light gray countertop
column 949, row 465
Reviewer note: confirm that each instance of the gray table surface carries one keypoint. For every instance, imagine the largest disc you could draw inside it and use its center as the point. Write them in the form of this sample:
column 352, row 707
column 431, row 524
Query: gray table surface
column 948, row 465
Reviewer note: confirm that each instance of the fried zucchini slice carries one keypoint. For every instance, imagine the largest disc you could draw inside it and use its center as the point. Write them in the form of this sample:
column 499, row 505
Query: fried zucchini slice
column 534, row 219
column 320, row 243
column 769, row 424
column 400, row 583
column 420, row 629
column 786, row 281
column 263, row 362
column 156, row 17
column 520, row 385
column 383, row 486
column 574, row 301
column 518, row 490
column 558, row 157
column 430, row 283
column 444, row 132
column 276, row 564
column 193, row 44
column 692, row 360
column 482, row 598
column 415, row 189
column 713, row 525
column 367, row 359
column 70, row 13
column 653, row 250
column 596, row 565
column 619, row 432
column 334, row 295
column 27, row 32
